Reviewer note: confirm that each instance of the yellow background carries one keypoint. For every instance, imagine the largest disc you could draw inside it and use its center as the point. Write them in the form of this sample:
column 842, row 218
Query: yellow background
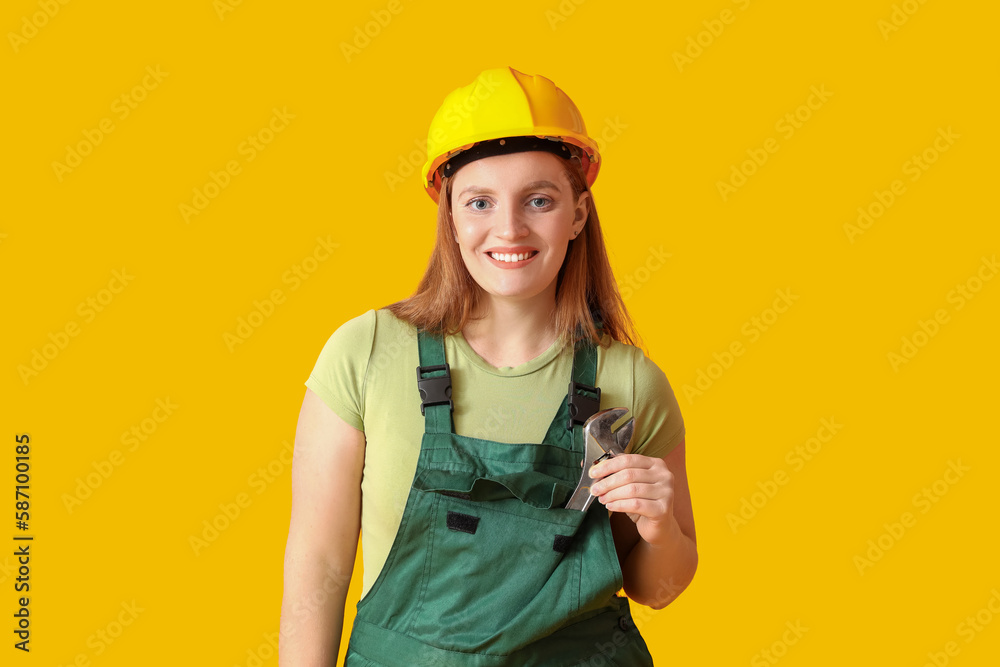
column 670, row 133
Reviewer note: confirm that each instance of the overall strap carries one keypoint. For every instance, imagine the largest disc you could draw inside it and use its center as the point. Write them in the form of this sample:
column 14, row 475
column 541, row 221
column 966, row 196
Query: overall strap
column 434, row 383
column 584, row 398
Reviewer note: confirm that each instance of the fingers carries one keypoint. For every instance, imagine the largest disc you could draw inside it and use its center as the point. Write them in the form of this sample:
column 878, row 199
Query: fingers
column 637, row 491
column 633, row 484
column 621, row 462
column 654, row 509
column 606, row 481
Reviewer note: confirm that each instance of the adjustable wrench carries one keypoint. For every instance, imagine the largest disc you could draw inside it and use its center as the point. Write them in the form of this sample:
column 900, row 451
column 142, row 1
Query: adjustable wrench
column 600, row 443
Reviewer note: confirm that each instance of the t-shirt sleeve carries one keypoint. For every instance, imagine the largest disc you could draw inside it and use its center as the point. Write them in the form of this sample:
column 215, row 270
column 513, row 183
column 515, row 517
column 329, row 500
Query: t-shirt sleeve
column 659, row 424
column 339, row 374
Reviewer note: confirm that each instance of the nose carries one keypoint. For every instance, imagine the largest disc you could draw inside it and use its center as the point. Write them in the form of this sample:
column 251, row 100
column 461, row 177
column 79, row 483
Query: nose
column 510, row 223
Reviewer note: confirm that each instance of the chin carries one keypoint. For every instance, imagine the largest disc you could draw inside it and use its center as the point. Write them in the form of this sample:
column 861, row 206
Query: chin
column 516, row 292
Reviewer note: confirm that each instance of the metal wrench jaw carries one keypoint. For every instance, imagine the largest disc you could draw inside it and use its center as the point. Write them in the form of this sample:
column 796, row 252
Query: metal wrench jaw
column 624, row 434
column 600, row 442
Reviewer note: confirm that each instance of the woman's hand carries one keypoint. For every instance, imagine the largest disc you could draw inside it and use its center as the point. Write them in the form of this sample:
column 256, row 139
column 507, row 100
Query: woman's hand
column 641, row 487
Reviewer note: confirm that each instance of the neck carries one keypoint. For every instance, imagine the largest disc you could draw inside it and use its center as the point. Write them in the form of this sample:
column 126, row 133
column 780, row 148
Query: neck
column 510, row 332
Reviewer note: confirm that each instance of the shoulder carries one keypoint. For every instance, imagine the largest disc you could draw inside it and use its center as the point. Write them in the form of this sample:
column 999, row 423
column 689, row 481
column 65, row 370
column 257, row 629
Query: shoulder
column 621, row 357
column 368, row 335
column 659, row 424
column 392, row 339
column 339, row 373
column 362, row 326
column 390, row 326
column 350, row 342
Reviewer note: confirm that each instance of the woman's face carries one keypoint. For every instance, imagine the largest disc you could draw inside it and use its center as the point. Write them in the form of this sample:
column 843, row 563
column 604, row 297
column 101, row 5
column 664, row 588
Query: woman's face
column 514, row 216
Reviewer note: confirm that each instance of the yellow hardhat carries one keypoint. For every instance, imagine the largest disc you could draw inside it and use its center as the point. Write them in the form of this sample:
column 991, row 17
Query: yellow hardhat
column 503, row 103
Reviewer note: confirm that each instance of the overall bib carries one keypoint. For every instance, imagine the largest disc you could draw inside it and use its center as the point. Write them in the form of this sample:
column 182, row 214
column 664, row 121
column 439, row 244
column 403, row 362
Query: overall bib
column 488, row 569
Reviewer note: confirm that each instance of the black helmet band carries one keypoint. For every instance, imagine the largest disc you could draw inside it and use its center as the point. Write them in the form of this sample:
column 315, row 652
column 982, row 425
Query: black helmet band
column 503, row 147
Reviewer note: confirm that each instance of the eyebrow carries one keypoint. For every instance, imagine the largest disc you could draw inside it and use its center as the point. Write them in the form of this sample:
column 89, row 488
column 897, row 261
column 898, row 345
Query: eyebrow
column 534, row 185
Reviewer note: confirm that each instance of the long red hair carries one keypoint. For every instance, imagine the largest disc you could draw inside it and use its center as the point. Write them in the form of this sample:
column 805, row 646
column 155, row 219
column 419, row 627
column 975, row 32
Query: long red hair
column 587, row 297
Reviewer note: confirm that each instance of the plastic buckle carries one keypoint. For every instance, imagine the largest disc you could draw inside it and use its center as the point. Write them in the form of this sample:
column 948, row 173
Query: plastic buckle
column 581, row 406
column 434, row 390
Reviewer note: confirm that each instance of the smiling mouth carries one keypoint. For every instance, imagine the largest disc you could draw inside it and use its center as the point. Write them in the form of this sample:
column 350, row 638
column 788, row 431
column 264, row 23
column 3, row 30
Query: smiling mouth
column 512, row 257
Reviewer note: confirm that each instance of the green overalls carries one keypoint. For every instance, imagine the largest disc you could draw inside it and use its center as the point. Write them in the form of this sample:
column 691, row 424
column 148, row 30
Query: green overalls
column 488, row 568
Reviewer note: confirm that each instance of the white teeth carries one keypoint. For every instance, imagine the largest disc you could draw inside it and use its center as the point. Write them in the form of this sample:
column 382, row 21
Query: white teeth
column 508, row 257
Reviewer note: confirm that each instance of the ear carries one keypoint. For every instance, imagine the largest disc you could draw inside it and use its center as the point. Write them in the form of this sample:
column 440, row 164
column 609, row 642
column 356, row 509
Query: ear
column 581, row 213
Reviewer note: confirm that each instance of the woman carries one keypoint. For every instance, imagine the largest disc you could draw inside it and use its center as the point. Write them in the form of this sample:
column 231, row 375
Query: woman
column 470, row 555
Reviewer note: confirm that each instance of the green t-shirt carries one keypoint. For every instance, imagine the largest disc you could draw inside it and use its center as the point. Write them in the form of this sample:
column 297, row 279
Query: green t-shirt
column 366, row 373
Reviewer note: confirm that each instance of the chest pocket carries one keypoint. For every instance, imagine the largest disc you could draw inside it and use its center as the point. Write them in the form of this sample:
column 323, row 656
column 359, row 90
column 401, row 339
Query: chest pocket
column 541, row 476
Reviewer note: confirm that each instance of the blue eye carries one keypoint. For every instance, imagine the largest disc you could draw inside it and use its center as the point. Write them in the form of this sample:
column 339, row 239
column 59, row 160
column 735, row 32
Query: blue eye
column 537, row 203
